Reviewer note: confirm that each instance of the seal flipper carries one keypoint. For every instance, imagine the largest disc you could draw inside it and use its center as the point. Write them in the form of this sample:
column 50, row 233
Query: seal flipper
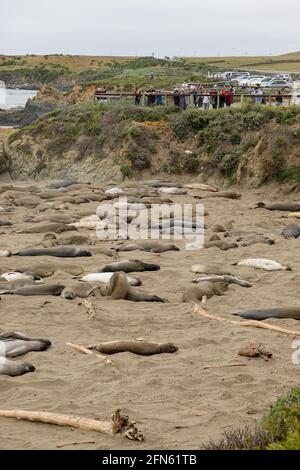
column 140, row 297
column 260, row 205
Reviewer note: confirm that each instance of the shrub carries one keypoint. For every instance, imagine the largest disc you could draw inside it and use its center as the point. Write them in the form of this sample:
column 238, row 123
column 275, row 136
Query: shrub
column 126, row 171
column 289, row 174
column 235, row 139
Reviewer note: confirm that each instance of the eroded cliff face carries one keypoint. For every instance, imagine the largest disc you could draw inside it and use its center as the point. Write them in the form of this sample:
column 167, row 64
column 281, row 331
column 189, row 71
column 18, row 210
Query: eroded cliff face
column 116, row 142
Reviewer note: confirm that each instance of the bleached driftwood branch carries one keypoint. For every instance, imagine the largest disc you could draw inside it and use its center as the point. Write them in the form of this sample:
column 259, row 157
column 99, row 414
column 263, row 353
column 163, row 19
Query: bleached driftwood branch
column 119, row 424
column 249, row 323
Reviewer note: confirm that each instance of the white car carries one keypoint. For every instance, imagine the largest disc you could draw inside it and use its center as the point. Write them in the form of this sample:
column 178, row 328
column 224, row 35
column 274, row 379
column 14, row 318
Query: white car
column 278, row 83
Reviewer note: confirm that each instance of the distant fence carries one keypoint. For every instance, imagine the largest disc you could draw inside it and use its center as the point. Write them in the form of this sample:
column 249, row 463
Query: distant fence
column 191, row 100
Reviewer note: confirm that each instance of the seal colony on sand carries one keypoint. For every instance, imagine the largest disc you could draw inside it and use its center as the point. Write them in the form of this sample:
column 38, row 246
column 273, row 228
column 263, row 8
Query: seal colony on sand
column 111, row 295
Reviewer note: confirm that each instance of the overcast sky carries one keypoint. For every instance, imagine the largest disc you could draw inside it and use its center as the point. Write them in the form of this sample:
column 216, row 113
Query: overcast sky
column 165, row 27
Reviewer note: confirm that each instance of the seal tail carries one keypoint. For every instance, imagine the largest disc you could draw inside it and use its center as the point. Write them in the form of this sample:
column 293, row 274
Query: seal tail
column 260, row 205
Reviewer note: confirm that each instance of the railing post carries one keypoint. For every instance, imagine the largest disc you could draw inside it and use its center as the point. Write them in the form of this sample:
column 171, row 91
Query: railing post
column 218, row 101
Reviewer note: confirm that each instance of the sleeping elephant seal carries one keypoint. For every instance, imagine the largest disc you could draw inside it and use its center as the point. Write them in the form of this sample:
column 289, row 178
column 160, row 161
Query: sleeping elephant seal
column 280, row 206
column 225, row 194
column 119, row 289
column 40, row 289
column 13, row 369
column 222, row 245
column 47, row 269
column 15, row 344
column 259, row 315
column 148, row 246
column 45, row 228
column 209, row 268
column 63, row 184
column 141, row 348
column 129, row 267
column 59, row 252
column 291, row 231
column 204, row 291
column 76, row 289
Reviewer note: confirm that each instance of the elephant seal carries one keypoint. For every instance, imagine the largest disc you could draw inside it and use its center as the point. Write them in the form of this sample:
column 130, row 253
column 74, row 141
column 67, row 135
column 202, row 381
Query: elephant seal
column 5, row 223
column 279, row 206
column 203, row 291
column 59, row 252
column 75, row 289
column 284, row 312
column 225, row 194
column 45, row 228
column 119, row 289
column 267, row 264
column 174, row 190
column 13, row 369
column 201, row 187
column 16, row 344
column 141, row 348
column 41, row 289
column 209, row 268
column 225, row 278
column 104, row 278
column 222, row 245
column 218, row 228
column 47, row 269
column 256, row 240
column 5, row 253
column 54, row 218
column 14, row 276
column 150, row 246
column 129, row 267
column 63, row 184
column 291, row 231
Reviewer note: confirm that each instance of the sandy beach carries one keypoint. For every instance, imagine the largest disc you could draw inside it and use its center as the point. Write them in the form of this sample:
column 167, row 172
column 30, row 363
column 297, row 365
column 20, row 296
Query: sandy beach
column 176, row 402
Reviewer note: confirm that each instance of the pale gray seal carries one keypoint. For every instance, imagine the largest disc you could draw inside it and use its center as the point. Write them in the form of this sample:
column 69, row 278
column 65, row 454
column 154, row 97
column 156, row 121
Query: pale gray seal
column 15, row 344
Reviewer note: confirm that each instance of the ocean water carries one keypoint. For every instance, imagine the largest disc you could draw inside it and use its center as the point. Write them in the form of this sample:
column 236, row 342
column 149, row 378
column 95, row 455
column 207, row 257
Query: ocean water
column 13, row 98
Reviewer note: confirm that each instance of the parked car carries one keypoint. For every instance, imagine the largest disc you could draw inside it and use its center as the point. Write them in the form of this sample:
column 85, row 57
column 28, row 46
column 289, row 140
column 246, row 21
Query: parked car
column 279, row 84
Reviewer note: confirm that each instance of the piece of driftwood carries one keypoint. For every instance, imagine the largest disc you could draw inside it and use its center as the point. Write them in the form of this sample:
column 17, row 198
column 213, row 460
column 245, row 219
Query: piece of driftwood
column 68, row 444
column 249, row 323
column 221, row 366
column 118, row 425
column 86, row 351
column 255, row 350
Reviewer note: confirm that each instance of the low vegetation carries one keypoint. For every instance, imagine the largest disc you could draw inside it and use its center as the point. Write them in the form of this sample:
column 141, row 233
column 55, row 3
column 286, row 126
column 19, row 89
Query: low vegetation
column 278, row 430
column 258, row 143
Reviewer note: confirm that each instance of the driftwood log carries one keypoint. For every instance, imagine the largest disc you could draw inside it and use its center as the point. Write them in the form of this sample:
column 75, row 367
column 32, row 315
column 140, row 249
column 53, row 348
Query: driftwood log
column 249, row 323
column 118, row 425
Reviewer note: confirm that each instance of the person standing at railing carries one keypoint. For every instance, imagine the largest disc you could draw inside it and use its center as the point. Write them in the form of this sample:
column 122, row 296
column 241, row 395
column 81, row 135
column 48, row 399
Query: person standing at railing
column 137, row 96
column 150, row 93
column 206, row 102
column 182, row 100
column 176, row 97
column 222, row 98
column 279, row 99
column 158, row 98
column 258, row 94
column 229, row 98
column 214, row 98
column 193, row 92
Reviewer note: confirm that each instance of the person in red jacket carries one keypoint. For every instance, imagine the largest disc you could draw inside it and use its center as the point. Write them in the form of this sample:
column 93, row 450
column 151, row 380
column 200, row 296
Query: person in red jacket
column 229, row 98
